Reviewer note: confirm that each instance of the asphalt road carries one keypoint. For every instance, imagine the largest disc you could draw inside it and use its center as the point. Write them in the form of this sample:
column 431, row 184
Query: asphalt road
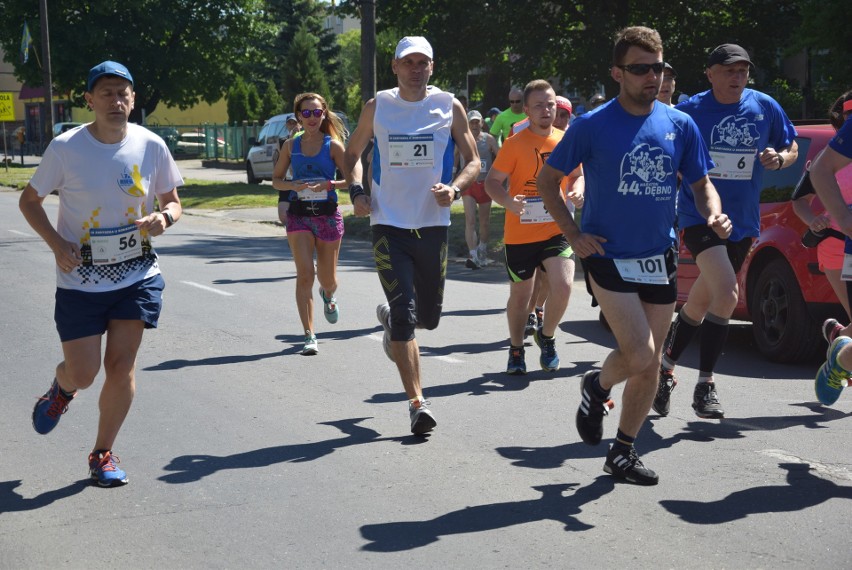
column 242, row 453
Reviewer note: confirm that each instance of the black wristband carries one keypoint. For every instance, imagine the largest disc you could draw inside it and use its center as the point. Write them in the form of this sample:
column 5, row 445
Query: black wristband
column 355, row 190
column 167, row 216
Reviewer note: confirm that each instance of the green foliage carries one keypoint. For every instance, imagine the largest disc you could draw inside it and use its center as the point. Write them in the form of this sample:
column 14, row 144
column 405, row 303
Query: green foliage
column 271, row 103
column 239, row 103
column 289, row 16
column 507, row 43
column 179, row 52
column 304, row 72
column 789, row 97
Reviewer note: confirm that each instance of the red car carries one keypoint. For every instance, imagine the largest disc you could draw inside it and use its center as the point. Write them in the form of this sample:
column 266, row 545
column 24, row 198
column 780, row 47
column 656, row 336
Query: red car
column 782, row 291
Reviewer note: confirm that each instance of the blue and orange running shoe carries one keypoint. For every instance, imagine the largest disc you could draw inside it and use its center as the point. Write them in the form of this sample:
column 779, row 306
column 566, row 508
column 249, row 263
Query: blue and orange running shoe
column 831, row 378
column 103, row 468
column 49, row 408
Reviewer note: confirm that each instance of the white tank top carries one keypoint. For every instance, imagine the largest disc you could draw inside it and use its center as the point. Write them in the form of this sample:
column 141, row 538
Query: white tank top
column 413, row 151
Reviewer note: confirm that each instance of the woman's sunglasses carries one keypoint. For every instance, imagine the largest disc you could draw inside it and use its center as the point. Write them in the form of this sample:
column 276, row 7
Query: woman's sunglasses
column 306, row 113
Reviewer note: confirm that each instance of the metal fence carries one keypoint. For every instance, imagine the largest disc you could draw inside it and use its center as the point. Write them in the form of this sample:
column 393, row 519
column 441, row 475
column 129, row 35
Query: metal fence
column 208, row 141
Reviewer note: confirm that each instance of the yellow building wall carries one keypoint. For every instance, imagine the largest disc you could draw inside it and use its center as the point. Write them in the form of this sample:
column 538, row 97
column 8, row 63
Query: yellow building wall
column 202, row 113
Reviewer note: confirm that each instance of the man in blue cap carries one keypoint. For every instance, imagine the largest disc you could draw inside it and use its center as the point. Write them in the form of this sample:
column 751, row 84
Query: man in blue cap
column 108, row 280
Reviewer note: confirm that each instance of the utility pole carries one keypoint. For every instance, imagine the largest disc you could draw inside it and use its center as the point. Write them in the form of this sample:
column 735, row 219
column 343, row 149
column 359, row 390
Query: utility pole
column 368, row 50
column 47, row 78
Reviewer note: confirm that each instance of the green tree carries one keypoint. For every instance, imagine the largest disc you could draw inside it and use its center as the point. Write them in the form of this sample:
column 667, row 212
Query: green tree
column 289, row 16
column 825, row 35
column 271, row 102
column 572, row 39
column 304, row 74
column 180, row 53
column 238, row 102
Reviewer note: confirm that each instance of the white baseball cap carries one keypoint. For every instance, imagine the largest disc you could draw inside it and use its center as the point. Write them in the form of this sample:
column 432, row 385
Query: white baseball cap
column 413, row 44
column 474, row 115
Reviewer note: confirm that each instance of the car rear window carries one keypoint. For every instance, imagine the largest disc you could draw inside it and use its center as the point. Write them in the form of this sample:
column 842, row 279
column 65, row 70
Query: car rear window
column 778, row 184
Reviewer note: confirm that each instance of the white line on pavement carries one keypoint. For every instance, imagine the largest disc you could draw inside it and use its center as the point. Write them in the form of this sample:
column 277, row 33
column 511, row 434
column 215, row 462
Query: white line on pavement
column 378, row 337
column 206, row 288
column 21, row 233
column 820, row 468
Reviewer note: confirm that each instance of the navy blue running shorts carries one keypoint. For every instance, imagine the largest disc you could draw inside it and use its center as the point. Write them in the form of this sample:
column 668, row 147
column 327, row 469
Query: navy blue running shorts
column 79, row 314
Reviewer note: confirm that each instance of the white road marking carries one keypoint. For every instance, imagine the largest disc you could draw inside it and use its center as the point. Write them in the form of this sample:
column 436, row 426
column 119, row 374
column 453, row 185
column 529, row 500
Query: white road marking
column 378, row 337
column 820, row 468
column 206, row 288
column 21, row 233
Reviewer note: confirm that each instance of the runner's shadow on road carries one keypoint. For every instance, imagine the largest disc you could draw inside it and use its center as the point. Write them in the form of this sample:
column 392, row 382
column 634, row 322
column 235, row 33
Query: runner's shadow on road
column 554, row 504
column 253, row 281
column 179, row 363
column 738, row 428
column 803, row 490
column 192, row 468
column 488, row 383
column 649, row 440
column 13, row 502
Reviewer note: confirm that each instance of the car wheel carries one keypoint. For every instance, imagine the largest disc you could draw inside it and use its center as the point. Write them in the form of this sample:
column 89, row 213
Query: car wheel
column 252, row 179
column 782, row 327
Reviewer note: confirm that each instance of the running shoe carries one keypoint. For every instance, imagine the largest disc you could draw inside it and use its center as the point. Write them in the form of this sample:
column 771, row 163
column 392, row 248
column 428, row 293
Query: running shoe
column 103, row 468
column 383, row 314
column 311, row 346
column 330, row 310
column 831, row 377
column 471, row 263
column 549, row 360
column 422, row 420
column 625, row 464
column 662, row 400
column 49, row 408
column 531, row 325
column 482, row 255
column 830, row 329
column 705, row 402
column 517, row 365
column 592, row 410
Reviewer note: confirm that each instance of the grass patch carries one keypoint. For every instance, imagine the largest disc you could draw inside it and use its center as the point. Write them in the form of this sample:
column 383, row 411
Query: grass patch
column 17, row 177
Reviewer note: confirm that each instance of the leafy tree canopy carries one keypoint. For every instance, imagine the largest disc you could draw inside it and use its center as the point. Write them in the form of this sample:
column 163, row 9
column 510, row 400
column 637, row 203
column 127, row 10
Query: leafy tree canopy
column 180, row 52
column 509, row 43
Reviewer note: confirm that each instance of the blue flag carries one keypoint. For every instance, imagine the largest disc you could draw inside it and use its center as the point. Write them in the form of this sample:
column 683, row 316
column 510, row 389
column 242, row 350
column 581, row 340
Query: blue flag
column 26, row 43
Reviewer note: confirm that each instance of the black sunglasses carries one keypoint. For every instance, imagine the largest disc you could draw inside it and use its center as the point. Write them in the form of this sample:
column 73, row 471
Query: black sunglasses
column 643, row 68
column 306, row 113
column 515, row 101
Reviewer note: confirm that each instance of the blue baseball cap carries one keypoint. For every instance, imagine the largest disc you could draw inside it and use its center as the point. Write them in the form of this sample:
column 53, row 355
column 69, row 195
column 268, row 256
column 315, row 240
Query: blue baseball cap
column 108, row 68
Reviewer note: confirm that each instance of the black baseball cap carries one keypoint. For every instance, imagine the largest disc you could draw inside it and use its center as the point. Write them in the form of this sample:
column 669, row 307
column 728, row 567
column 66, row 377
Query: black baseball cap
column 669, row 67
column 727, row 54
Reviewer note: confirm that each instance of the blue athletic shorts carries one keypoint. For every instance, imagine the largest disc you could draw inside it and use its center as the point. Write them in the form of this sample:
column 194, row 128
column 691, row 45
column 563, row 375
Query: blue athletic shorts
column 79, row 314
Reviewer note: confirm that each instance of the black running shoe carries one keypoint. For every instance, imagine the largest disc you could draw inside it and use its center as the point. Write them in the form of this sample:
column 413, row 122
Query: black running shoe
column 531, row 325
column 625, row 464
column 664, row 392
column 705, row 402
column 592, row 410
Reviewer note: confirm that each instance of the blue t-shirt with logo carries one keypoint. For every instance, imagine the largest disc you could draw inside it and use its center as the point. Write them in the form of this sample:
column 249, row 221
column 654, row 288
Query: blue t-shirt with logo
column 630, row 165
column 736, row 134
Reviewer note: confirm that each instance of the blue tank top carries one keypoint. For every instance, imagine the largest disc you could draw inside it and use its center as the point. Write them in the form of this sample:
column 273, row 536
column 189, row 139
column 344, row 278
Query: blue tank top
column 318, row 167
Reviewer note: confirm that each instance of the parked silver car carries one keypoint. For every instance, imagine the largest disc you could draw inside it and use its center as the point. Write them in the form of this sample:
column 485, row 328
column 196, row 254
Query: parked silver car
column 263, row 153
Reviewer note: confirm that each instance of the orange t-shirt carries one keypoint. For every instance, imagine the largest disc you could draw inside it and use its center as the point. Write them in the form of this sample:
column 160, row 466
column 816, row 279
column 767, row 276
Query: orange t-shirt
column 521, row 157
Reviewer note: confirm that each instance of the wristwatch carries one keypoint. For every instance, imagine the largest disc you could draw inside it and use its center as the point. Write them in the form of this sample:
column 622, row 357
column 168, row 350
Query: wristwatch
column 456, row 193
column 168, row 217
